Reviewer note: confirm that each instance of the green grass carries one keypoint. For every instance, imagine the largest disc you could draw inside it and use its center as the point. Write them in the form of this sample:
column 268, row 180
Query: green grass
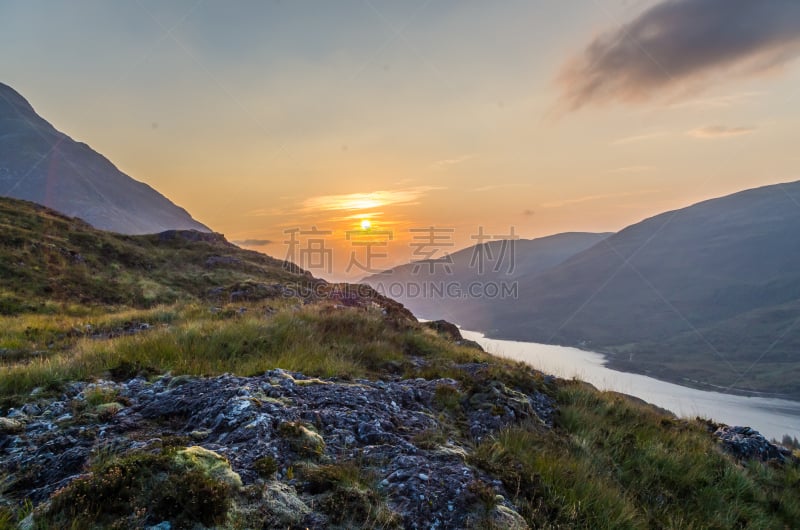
column 28, row 333
column 610, row 462
column 318, row 340
column 614, row 463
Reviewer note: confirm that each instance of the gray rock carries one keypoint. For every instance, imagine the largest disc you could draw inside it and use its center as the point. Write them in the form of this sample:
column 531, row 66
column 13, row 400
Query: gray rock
column 240, row 419
column 285, row 509
column 15, row 414
column 506, row 518
column 11, row 426
column 31, row 409
column 746, row 443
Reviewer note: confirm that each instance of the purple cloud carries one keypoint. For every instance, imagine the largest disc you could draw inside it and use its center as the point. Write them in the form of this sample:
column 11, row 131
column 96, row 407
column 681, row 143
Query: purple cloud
column 682, row 45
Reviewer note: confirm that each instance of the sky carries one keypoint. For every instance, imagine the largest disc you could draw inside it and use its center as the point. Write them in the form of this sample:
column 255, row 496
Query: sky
column 279, row 121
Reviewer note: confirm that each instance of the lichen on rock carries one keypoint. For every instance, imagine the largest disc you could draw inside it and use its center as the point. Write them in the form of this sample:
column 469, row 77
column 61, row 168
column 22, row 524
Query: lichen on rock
column 252, row 436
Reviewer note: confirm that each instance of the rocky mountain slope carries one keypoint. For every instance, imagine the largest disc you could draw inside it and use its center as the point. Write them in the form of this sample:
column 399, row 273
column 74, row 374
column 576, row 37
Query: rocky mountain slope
column 245, row 393
column 263, row 426
column 43, row 165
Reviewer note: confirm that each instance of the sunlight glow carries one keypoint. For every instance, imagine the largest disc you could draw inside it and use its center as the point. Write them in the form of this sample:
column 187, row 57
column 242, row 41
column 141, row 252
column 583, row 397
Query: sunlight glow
column 366, row 201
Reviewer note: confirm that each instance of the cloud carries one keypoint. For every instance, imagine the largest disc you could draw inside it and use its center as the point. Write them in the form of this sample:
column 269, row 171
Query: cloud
column 367, row 201
column 590, row 198
column 490, row 187
column 252, row 242
column 441, row 164
column 357, row 216
column 638, row 138
column 719, row 131
column 719, row 102
column 681, row 45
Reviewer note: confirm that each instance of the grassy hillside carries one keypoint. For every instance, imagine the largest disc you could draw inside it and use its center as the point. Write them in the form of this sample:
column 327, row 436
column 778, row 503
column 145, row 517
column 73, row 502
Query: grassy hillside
column 51, row 263
column 143, row 306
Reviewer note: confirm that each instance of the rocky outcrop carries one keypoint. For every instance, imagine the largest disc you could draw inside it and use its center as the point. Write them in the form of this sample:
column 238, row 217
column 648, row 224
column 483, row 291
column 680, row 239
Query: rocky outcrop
column 745, row 443
column 445, row 328
column 413, row 435
column 451, row 332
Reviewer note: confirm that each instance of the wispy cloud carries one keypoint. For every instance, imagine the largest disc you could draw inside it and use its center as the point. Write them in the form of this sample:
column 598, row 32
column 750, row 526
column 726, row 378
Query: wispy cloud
column 591, row 198
column 638, row 138
column 441, row 164
column 490, row 187
column 367, row 201
column 252, row 242
column 719, row 102
column 358, row 216
column 719, row 131
column 681, row 45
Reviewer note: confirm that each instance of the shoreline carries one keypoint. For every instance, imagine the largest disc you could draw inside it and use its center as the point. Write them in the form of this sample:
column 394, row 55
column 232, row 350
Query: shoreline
column 773, row 416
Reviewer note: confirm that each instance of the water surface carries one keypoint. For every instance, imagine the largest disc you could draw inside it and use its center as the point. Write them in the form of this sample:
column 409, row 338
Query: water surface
column 772, row 417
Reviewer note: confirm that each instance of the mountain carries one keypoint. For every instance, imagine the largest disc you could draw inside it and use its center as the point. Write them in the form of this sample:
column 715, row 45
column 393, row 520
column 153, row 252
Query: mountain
column 177, row 381
column 441, row 289
column 40, row 164
column 708, row 294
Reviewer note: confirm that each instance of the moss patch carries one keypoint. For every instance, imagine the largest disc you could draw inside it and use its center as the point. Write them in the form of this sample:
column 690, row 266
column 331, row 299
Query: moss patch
column 142, row 488
column 210, row 463
column 302, row 439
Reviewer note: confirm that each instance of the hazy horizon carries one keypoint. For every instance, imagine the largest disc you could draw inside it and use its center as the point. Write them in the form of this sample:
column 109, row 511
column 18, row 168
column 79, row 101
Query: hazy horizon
column 543, row 117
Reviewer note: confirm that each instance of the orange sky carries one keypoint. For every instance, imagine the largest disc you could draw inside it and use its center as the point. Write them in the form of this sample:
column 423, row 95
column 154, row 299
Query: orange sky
column 456, row 115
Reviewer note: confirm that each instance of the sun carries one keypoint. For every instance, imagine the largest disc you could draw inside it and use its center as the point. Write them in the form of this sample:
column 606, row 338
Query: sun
column 365, row 224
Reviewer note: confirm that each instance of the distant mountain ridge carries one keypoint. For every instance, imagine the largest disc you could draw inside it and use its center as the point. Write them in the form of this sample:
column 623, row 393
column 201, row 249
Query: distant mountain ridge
column 41, row 164
column 503, row 262
column 709, row 261
column 707, row 295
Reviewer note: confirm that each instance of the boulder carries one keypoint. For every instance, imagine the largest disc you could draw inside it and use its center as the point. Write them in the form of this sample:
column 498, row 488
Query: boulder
column 748, row 444
column 504, row 517
column 443, row 327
